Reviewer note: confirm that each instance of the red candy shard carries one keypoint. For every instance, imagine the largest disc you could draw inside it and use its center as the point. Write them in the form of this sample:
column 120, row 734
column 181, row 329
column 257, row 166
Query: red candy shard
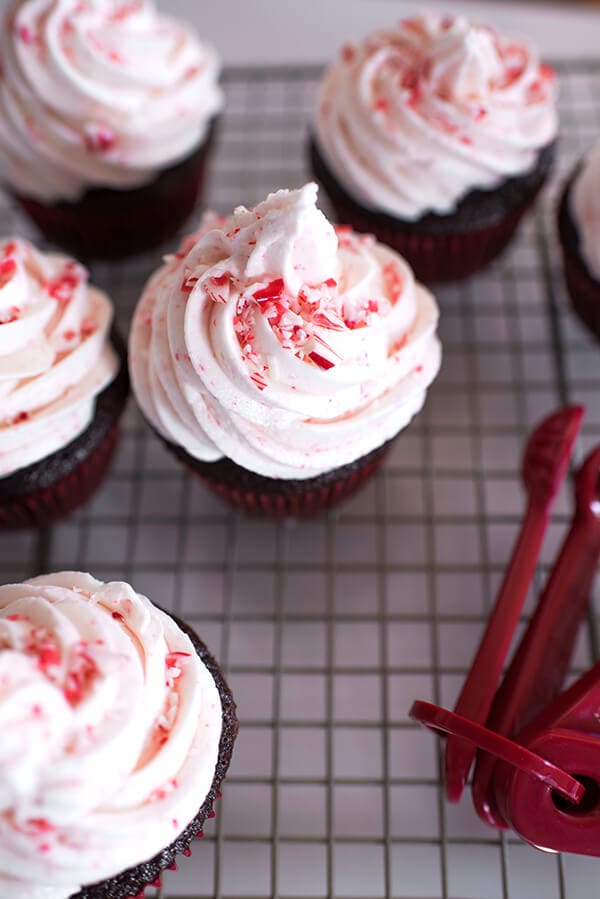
column 271, row 292
column 187, row 852
column 62, row 288
column 393, row 281
column 319, row 360
column 212, row 813
column 547, row 72
column 99, row 139
column 8, row 268
column 118, row 617
column 83, row 670
column 258, row 380
column 48, row 656
column 173, row 866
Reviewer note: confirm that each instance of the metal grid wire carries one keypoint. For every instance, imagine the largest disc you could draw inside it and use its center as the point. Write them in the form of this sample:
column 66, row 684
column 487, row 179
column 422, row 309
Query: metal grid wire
column 329, row 629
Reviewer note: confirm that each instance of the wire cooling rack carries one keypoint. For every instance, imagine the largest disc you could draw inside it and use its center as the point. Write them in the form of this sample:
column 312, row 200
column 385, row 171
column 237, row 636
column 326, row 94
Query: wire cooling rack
column 328, row 630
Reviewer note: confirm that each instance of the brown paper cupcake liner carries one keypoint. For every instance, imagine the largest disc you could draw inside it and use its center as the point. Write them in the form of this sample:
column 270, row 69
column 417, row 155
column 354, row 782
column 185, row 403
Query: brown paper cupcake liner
column 276, row 497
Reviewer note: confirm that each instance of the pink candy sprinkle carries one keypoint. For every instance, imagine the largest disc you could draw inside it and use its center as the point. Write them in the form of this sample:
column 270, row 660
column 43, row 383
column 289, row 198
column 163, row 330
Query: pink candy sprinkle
column 26, row 35
column 99, row 139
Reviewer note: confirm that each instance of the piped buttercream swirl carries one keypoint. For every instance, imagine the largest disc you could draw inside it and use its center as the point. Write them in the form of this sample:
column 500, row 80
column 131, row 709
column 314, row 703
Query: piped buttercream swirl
column 55, row 352
column 99, row 93
column 109, row 733
column 281, row 343
column 414, row 117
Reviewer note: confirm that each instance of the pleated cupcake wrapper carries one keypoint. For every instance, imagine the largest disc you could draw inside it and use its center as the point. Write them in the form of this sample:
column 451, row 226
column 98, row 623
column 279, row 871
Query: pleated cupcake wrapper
column 112, row 224
column 157, row 883
column 158, row 880
column 135, row 881
column 312, row 502
column 45, row 506
column 439, row 257
column 583, row 290
column 263, row 497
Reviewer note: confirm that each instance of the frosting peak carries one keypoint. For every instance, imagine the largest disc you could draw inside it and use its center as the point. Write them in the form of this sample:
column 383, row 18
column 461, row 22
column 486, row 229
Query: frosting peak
column 275, row 340
column 416, row 116
column 285, row 237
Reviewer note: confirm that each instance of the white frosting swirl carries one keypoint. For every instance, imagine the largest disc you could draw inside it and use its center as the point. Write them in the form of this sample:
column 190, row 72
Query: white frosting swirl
column 109, row 733
column 55, row 353
column 99, row 93
column 585, row 210
column 415, row 117
column 273, row 341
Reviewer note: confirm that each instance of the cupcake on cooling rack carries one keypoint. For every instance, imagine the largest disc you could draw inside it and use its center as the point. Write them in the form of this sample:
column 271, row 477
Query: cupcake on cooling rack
column 436, row 136
column 117, row 729
column 278, row 358
column 579, row 230
column 63, row 386
column 105, row 121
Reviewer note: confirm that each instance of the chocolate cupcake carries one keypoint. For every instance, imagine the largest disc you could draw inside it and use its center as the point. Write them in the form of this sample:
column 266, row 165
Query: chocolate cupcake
column 436, row 136
column 106, row 114
column 579, row 231
column 63, row 386
column 278, row 358
column 117, row 730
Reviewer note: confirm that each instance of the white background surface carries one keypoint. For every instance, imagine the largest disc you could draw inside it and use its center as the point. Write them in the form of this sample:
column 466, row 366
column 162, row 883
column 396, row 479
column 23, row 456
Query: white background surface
column 275, row 32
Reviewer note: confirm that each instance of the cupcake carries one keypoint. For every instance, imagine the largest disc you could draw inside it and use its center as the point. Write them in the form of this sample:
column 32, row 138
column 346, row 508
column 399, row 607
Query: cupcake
column 579, row 231
column 278, row 358
column 436, row 136
column 105, row 121
column 117, row 730
column 63, row 386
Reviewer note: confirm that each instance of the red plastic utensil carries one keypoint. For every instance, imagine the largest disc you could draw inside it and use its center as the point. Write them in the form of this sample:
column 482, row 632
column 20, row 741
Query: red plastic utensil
column 541, row 661
column 544, row 467
column 568, row 734
column 515, row 755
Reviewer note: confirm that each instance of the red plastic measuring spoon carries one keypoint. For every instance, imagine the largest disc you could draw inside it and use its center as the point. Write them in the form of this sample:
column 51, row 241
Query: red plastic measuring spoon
column 439, row 719
column 539, row 666
column 544, row 467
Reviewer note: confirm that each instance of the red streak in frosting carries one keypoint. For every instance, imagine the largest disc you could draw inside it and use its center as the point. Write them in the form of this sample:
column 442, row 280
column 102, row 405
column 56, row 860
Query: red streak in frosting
column 393, row 281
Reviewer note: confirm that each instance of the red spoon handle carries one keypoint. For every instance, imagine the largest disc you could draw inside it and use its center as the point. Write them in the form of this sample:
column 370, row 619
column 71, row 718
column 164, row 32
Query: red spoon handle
column 477, row 694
